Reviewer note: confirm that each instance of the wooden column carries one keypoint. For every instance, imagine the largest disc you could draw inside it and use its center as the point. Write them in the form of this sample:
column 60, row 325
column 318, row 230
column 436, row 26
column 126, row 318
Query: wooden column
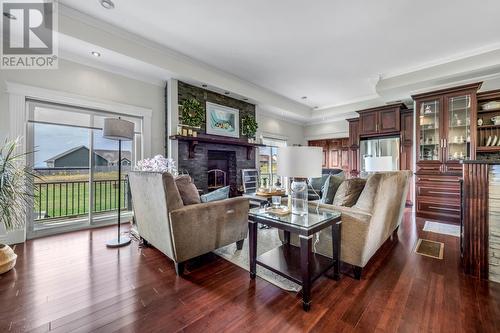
column 475, row 220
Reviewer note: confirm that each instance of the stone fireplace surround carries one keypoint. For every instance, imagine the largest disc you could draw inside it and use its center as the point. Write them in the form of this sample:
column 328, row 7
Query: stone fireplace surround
column 197, row 167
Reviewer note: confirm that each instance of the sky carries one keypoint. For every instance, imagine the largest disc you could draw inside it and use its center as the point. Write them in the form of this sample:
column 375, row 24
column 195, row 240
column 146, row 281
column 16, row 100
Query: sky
column 51, row 140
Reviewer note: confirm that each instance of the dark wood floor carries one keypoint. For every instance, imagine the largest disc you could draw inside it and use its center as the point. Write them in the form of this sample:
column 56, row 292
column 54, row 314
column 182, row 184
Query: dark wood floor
column 72, row 282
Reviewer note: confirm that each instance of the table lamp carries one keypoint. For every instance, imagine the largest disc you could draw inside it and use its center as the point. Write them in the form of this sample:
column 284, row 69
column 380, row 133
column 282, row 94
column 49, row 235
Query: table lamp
column 121, row 130
column 299, row 163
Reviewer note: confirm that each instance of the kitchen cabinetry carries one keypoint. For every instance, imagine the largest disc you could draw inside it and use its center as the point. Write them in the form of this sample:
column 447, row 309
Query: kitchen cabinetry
column 446, row 134
column 335, row 153
column 406, row 156
column 380, row 120
column 353, row 144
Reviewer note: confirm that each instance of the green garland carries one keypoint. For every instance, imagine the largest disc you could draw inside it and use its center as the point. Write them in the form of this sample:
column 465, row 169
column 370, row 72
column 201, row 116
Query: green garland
column 249, row 126
column 192, row 113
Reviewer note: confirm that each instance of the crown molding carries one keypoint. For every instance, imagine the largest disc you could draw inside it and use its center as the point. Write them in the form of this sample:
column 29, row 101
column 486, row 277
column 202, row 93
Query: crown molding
column 442, row 61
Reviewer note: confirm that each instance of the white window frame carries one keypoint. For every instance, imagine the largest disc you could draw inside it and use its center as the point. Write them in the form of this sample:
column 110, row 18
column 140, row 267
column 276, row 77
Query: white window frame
column 19, row 94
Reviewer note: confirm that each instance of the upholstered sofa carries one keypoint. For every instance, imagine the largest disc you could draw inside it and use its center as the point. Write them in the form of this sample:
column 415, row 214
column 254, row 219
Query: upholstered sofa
column 370, row 222
column 184, row 232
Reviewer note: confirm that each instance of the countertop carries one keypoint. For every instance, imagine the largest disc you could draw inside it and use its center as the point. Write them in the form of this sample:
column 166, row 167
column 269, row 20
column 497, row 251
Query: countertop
column 481, row 162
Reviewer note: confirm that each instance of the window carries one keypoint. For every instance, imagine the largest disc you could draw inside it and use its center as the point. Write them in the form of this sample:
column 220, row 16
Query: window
column 77, row 167
column 267, row 162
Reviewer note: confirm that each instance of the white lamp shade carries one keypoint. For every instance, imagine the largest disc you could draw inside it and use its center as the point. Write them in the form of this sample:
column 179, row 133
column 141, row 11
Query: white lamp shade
column 382, row 163
column 300, row 162
column 118, row 129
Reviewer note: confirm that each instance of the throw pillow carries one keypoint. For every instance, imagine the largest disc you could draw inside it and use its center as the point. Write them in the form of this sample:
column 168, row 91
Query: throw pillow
column 219, row 194
column 366, row 199
column 187, row 190
column 317, row 182
column 349, row 191
column 330, row 187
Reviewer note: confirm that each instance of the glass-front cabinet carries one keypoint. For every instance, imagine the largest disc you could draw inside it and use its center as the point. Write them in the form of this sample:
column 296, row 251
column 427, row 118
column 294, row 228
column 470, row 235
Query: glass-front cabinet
column 458, row 132
column 429, row 118
column 446, row 123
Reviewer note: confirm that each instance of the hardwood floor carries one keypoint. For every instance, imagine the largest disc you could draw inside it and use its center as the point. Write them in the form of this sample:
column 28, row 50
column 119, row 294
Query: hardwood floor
column 72, row 282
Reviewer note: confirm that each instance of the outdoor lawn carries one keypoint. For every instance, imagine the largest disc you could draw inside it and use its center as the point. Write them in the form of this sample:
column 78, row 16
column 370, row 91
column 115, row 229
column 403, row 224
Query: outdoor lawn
column 67, row 195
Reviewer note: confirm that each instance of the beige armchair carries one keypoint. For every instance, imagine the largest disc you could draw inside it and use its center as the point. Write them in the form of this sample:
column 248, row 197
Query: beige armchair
column 184, row 232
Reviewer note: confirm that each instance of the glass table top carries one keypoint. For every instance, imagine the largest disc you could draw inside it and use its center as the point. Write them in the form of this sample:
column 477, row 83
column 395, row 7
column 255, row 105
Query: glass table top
column 314, row 218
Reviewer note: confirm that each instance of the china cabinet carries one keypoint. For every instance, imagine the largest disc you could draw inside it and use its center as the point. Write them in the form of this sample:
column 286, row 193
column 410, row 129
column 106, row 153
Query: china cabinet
column 446, row 134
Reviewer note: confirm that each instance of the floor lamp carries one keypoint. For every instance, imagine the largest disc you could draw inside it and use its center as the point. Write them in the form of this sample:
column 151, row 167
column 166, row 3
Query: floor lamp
column 121, row 130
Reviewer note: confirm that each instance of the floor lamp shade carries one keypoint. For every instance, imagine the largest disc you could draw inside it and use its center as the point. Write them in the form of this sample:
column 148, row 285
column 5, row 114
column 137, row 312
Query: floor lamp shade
column 299, row 163
column 121, row 130
column 118, row 129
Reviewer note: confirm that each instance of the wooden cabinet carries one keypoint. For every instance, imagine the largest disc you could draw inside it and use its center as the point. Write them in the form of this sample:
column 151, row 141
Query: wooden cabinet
column 354, row 164
column 389, row 120
column 406, row 156
column 380, row 120
column 368, row 123
column 334, row 159
column 335, row 153
column 344, row 159
column 446, row 134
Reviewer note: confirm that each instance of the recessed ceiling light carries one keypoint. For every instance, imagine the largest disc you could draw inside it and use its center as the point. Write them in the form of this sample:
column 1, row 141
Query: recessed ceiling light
column 95, row 54
column 226, row 92
column 204, row 85
column 9, row 16
column 304, row 97
column 108, row 4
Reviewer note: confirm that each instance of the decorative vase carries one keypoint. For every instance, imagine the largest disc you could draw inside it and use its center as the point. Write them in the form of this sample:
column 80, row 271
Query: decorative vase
column 7, row 258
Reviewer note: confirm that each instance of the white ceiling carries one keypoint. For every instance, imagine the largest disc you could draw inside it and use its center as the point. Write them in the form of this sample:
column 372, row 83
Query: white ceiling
column 331, row 51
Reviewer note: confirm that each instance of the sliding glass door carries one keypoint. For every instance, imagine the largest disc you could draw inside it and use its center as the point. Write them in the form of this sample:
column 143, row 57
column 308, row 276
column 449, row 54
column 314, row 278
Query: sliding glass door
column 77, row 168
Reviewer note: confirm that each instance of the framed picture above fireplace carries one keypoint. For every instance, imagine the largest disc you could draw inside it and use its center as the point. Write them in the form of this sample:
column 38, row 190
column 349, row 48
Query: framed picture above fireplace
column 222, row 120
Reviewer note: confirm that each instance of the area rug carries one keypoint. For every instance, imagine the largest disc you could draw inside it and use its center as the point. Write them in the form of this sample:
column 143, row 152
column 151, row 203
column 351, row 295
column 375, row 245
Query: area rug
column 267, row 239
column 430, row 248
column 442, row 228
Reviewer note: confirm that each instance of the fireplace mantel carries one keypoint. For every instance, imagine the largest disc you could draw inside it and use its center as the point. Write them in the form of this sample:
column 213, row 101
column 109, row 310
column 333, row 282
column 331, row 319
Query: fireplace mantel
column 193, row 141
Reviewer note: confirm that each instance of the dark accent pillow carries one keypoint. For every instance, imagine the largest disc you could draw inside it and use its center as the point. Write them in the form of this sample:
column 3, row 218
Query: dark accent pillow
column 219, row 194
column 348, row 192
column 187, row 190
column 330, row 187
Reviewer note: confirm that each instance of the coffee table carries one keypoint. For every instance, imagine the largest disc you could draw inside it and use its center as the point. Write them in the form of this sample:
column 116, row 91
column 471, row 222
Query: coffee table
column 298, row 264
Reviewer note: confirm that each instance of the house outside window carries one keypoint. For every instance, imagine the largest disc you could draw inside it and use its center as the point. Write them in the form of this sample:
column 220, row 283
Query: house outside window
column 268, row 162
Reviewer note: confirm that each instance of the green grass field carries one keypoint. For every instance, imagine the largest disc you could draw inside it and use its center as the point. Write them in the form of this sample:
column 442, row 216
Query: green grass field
column 66, row 199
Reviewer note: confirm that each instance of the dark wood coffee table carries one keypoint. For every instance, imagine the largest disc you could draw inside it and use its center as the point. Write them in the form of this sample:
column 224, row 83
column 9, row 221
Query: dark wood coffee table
column 300, row 265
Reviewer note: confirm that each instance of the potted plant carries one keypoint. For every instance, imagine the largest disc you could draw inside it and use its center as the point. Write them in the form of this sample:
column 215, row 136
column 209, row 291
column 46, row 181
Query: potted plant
column 192, row 114
column 249, row 126
column 16, row 191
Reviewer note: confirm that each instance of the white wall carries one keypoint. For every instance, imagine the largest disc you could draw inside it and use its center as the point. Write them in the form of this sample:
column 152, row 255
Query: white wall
column 278, row 128
column 336, row 129
column 88, row 81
